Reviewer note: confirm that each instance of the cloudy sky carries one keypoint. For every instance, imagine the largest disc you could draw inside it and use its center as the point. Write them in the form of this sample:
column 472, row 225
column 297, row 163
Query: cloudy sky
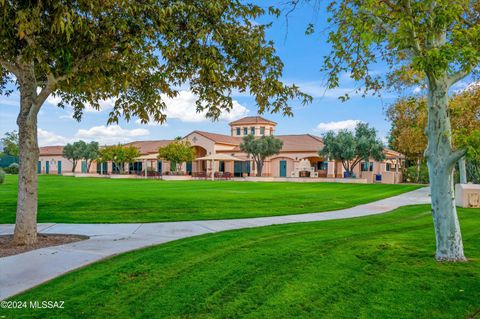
column 302, row 56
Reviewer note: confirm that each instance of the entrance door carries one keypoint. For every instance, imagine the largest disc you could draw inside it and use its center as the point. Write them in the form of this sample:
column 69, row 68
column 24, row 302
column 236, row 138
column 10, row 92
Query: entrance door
column 283, row 168
column 189, row 168
column 59, row 167
column 237, row 168
column 39, row 167
column 159, row 166
column 84, row 167
column 47, row 167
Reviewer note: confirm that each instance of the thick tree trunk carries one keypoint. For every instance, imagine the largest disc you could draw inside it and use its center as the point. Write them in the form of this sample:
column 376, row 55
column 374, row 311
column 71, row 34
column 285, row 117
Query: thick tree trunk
column 441, row 160
column 462, row 168
column 74, row 166
column 26, row 219
column 259, row 168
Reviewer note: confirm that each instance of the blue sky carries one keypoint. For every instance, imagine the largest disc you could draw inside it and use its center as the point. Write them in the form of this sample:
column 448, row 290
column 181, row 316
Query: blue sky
column 302, row 56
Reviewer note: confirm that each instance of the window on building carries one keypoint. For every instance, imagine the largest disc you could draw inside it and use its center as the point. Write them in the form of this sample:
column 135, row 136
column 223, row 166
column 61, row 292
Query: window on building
column 366, row 167
column 252, row 130
column 322, row 166
column 239, row 131
column 262, row 130
column 245, row 131
column 221, row 166
column 388, row 167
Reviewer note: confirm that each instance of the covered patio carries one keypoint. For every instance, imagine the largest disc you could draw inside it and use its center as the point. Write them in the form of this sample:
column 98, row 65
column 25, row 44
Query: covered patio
column 152, row 159
column 212, row 158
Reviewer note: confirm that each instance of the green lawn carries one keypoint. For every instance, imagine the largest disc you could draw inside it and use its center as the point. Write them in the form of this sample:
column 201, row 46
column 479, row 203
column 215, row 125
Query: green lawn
column 98, row 200
column 379, row 266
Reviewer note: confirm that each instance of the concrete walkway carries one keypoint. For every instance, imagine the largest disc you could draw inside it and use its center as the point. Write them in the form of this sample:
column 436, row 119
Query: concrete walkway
column 26, row 270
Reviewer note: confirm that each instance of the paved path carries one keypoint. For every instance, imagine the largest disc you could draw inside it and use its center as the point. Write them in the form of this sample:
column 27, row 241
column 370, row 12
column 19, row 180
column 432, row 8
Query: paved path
column 26, row 270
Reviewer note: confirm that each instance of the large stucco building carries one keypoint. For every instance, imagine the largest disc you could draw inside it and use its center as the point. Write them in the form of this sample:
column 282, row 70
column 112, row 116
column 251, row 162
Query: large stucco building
column 298, row 157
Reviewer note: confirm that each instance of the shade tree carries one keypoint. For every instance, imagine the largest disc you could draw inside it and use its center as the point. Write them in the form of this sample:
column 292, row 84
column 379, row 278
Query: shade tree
column 177, row 152
column 351, row 148
column 137, row 53
column 432, row 42
column 259, row 148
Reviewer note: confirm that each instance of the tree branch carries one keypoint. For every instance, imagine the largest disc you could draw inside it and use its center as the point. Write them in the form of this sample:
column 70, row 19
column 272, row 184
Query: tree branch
column 10, row 67
column 413, row 34
column 454, row 78
column 456, row 156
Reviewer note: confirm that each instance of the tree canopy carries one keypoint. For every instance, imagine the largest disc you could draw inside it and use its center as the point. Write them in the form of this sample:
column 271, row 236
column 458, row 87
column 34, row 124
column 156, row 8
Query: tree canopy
column 118, row 155
column 10, row 143
column 409, row 121
column 74, row 152
column 260, row 148
column 352, row 148
column 432, row 42
column 138, row 52
column 178, row 151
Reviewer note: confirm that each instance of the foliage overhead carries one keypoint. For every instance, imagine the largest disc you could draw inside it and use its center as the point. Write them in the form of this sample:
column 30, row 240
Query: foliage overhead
column 416, row 38
column 352, row 148
column 139, row 52
column 260, row 148
column 178, row 151
column 409, row 120
column 10, row 143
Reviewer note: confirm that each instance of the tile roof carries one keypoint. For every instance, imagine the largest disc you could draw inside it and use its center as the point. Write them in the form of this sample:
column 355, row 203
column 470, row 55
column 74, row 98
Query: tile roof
column 51, row 150
column 252, row 120
column 301, row 142
column 149, row 147
column 220, row 138
column 293, row 143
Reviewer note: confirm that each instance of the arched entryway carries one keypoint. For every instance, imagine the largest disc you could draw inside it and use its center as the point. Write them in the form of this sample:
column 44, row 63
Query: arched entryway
column 198, row 167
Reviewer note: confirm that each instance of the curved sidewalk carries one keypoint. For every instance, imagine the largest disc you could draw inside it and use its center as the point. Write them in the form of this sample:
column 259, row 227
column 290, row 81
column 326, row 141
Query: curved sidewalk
column 29, row 269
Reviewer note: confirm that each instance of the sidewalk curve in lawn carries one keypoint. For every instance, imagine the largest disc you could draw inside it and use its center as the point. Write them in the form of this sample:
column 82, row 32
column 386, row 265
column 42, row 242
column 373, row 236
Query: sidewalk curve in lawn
column 23, row 271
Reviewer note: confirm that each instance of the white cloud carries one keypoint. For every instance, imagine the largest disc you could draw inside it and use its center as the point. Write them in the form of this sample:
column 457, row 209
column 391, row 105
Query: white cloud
column 104, row 104
column 49, row 138
column 336, row 126
column 110, row 134
column 184, row 109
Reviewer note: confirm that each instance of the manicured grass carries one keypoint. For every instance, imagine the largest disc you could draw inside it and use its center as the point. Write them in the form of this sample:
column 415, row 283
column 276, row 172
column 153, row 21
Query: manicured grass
column 379, row 266
column 98, row 200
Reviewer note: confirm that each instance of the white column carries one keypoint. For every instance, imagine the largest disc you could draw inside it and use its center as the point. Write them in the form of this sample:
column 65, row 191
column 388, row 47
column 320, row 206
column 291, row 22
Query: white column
column 213, row 169
column 331, row 169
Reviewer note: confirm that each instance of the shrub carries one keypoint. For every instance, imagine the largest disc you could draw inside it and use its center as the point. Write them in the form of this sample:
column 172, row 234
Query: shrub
column 2, row 176
column 410, row 175
column 12, row 169
column 473, row 171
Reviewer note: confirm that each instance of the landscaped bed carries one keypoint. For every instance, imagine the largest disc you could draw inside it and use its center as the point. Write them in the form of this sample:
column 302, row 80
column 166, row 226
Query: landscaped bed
column 96, row 200
column 379, row 266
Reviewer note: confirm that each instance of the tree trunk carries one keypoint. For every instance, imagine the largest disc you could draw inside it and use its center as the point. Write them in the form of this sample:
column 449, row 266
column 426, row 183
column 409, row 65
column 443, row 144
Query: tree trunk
column 74, row 165
column 418, row 169
column 26, row 219
column 441, row 160
column 259, row 168
column 462, row 167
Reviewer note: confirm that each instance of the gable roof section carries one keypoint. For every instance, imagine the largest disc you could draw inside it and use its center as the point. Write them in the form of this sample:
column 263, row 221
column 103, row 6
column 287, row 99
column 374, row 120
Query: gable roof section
column 294, row 143
column 252, row 120
column 149, row 147
column 220, row 138
column 51, row 150
column 301, row 142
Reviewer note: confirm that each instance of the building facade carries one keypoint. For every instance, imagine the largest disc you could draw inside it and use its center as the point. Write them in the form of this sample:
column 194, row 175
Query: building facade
column 298, row 158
